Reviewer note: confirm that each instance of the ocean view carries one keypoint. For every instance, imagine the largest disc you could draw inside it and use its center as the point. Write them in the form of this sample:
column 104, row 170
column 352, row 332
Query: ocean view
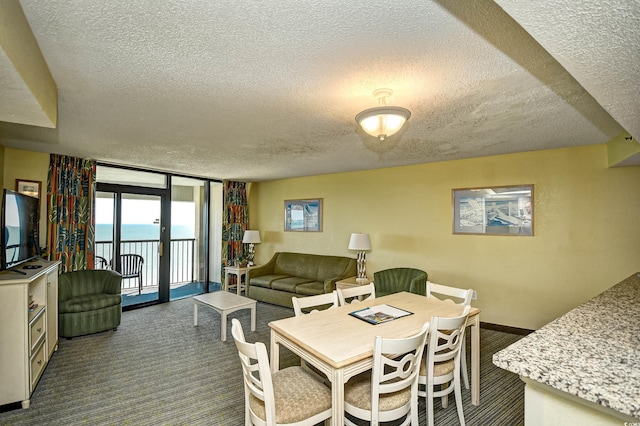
column 104, row 232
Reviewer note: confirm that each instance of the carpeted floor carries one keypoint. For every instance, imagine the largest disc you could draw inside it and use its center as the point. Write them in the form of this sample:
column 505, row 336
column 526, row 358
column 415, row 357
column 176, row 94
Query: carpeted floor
column 158, row 369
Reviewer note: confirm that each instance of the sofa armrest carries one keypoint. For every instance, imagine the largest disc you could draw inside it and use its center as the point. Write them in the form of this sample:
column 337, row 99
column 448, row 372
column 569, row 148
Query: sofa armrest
column 330, row 284
column 112, row 282
column 265, row 269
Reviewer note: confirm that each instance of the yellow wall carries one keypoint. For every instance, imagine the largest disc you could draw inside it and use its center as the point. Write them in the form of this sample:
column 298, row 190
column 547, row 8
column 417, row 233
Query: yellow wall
column 587, row 236
column 28, row 165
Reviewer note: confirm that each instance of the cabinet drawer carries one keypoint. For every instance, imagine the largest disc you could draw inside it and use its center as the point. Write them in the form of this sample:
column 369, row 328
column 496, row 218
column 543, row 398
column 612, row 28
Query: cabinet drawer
column 37, row 331
column 38, row 363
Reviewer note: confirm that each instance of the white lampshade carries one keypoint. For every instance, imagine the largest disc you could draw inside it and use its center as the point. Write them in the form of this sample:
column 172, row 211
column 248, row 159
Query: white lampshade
column 360, row 242
column 251, row 237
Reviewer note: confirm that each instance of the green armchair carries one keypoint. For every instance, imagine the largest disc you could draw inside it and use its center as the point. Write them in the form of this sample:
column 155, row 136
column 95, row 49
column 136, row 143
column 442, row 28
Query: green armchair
column 89, row 302
column 395, row 280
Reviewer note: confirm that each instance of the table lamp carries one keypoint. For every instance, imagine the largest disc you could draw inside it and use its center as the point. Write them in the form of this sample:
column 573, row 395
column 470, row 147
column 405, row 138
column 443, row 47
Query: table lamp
column 360, row 242
column 251, row 238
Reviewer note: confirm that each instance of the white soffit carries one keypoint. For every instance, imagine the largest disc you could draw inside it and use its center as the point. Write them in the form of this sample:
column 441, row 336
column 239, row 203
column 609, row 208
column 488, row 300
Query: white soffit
column 254, row 91
column 597, row 41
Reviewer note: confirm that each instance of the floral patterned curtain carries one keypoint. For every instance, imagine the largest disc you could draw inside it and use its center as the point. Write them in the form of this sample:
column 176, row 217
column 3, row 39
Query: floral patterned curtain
column 235, row 220
column 71, row 205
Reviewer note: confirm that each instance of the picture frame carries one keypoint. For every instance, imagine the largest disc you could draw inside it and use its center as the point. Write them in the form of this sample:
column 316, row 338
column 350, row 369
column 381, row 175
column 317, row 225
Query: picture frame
column 498, row 210
column 32, row 188
column 303, row 215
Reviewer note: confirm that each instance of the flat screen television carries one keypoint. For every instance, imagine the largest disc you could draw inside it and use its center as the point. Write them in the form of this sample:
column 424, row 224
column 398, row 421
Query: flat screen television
column 19, row 228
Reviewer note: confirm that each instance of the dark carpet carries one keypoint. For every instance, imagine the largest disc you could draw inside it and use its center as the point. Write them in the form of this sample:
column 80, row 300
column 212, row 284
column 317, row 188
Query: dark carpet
column 158, row 369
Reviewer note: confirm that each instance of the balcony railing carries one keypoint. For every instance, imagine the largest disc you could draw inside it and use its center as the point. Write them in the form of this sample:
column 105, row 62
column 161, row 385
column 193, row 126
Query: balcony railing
column 182, row 260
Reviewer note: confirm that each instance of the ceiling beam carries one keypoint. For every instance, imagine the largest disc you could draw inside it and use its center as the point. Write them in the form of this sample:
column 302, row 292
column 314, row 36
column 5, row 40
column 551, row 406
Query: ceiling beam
column 28, row 91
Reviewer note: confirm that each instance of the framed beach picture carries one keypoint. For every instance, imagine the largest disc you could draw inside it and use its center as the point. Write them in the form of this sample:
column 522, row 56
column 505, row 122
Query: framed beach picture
column 500, row 210
column 31, row 188
column 303, row 215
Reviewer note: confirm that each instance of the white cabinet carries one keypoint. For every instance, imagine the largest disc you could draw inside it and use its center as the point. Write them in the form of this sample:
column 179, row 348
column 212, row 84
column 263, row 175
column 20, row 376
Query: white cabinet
column 28, row 337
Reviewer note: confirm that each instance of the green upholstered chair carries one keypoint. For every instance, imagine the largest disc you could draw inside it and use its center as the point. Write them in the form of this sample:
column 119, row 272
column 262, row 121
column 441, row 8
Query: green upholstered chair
column 395, row 280
column 89, row 302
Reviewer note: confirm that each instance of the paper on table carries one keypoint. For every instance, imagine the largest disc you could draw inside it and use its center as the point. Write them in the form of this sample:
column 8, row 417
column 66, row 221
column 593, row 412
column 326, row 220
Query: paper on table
column 380, row 313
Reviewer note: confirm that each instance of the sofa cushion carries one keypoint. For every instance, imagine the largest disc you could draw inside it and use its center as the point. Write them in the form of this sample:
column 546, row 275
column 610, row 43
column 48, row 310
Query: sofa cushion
column 310, row 289
column 297, row 265
column 266, row 280
column 89, row 302
column 331, row 267
column 288, row 284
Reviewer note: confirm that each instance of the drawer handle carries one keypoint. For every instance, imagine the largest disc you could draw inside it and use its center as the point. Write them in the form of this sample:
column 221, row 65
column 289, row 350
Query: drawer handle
column 39, row 329
column 39, row 362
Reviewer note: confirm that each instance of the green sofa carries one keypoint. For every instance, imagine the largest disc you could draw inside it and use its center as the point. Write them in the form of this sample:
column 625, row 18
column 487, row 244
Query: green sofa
column 297, row 274
column 89, row 302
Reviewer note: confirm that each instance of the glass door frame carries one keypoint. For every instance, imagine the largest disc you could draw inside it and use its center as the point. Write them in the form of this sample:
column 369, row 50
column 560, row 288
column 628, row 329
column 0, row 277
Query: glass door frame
column 164, row 263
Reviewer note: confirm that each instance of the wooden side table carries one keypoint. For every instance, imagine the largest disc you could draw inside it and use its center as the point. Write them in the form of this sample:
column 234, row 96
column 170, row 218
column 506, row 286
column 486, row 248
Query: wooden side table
column 238, row 271
column 350, row 282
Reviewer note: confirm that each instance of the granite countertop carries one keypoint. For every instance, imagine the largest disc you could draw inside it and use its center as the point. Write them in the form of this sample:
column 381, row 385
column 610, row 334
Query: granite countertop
column 592, row 352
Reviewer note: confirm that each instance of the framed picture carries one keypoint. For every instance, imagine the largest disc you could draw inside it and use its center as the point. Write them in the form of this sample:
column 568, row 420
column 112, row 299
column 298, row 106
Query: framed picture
column 501, row 210
column 29, row 187
column 303, row 215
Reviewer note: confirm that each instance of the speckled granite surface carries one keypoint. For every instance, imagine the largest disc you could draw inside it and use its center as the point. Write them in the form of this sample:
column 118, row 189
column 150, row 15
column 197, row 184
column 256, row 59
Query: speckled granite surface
column 592, row 352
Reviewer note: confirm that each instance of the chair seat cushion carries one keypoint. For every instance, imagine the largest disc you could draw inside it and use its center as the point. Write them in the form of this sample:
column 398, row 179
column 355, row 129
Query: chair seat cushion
column 357, row 392
column 298, row 394
column 88, row 302
column 439, row 368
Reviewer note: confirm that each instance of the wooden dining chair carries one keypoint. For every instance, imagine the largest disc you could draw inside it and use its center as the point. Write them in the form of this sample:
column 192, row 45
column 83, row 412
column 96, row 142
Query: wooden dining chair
column 311, row 304
column 441, row 366
column 291, row 396
column 463, row 297
column 389, row 391
column 356, row 294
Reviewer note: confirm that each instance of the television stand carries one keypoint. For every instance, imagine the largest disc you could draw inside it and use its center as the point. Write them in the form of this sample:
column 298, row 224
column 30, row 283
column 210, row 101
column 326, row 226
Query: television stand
column 14, row 270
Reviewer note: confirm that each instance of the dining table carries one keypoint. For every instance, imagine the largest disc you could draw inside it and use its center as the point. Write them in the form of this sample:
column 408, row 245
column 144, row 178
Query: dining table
column 340, row 345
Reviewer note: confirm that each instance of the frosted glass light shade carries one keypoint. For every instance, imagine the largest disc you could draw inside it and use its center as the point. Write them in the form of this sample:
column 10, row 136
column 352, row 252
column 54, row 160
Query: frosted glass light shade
column 251, row 237
column 384, row 121
column 360, row 242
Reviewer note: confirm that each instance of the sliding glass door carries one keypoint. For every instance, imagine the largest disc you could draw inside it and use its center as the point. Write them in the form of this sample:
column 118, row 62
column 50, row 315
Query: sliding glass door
column 189, row 237
column 155, row 230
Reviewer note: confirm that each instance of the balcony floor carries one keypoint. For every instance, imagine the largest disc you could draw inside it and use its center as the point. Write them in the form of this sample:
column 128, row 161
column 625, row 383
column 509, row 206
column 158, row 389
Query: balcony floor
column 130, row 296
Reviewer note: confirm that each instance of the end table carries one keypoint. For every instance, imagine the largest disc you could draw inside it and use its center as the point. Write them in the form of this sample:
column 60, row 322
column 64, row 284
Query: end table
column 351, row 282
column 238, row 271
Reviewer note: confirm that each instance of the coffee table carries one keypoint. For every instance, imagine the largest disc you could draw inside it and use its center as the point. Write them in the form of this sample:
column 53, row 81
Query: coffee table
column 224, row 303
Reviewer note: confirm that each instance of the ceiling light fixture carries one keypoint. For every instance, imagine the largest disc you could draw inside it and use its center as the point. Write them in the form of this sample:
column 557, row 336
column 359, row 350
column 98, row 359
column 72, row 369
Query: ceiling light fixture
column 383, row 121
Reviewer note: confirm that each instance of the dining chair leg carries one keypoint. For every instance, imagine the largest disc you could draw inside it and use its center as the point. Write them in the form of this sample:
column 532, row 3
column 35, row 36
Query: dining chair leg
column 458, row 394
column 463, row 364
column 430, row 405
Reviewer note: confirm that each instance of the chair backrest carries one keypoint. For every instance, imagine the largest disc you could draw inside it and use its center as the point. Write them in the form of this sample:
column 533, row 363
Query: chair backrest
column 395, row 280
column 100, row 263
column 88, row 282
column 463, row 295
column 256, row 374
column 319, row 300
column 131, row 265
column 352, row 294
column 396, row 365
column 446, row 337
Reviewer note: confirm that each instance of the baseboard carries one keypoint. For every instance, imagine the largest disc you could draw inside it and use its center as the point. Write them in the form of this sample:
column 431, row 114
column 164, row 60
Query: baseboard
column 505, row 328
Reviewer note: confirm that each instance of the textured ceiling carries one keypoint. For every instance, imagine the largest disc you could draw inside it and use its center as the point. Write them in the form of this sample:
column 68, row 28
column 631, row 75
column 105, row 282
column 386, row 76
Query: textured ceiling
column 254, row 91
